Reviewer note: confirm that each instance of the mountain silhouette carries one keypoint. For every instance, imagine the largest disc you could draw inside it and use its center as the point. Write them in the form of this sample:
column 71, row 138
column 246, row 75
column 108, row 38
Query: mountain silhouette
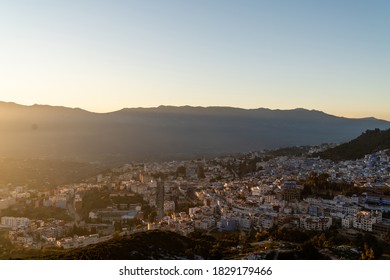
column 165, row 132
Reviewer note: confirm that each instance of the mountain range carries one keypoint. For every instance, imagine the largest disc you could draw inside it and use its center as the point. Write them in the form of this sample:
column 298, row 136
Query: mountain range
column 165, row 132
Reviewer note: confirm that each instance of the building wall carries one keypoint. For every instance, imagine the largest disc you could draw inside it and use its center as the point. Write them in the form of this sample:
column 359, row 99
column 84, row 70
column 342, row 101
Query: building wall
column 15, row 222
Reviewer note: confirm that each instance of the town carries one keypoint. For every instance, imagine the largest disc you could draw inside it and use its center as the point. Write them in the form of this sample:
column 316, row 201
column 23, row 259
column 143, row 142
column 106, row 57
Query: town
column 245, row 193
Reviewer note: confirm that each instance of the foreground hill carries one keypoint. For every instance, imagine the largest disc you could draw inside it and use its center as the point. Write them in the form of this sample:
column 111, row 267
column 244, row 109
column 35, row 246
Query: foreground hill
column 141, row 246
column 369, row 142
column 161, row 245
column 165, row 132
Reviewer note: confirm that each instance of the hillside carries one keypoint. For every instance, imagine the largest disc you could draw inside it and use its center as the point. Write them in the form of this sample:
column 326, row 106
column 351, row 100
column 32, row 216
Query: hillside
column 162, row 245
column 164, row 133
column 367, row 143
column 41, row 173
column 141, row 246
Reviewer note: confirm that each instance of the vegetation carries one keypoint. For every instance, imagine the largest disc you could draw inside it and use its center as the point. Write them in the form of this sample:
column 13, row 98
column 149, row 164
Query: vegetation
column 310, row 244
column 40, row 173
column 5, row 244
column 318, row 185
column 369, row 142
column 248, row 166
column 200, row 172
column 147, row 245
column 151, row 245
column 287, row 151
column 93, row 200
column 39, row 213
column 276, row 243
column 181, row 171
column 129, row 199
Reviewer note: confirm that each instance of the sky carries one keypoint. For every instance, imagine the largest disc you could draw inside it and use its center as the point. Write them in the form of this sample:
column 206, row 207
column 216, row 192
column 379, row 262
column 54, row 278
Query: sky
column 102, row 56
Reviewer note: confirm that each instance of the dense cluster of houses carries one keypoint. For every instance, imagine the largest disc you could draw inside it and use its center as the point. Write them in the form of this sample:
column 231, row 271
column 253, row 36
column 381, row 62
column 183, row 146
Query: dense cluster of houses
column 267, row 197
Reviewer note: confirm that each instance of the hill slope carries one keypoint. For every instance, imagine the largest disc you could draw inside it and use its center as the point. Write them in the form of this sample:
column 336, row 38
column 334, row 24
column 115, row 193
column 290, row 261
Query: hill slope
column 369, row 142
column 141, row 246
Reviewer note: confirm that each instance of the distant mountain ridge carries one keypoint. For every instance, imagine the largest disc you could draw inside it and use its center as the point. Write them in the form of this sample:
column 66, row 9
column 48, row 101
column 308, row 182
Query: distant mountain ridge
column 165, row 132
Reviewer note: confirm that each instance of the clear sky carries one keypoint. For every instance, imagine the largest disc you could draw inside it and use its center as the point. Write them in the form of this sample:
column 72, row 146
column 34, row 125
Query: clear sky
column 331, row 55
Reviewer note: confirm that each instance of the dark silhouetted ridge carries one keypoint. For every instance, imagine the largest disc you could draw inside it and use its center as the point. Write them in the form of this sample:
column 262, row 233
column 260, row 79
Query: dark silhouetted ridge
column 165, row 132
column 369, row 142
column 140, row 246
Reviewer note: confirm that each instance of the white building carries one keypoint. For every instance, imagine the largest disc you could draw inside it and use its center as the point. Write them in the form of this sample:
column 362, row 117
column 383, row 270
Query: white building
column 244, row 222
column 365, row 219
column 78, row 241
column 169, row 206
column 315, row 223
column 205, row 224
column 261, row 190
column 15, row 222
column 347, row 221
column 61, row 202
column 267, row 221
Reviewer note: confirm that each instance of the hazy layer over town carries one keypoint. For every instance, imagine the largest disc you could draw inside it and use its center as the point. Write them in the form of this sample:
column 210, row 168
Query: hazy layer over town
column 283, row 203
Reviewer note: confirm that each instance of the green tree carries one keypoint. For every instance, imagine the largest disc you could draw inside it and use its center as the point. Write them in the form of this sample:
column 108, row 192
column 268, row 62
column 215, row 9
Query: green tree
column 262, row 235
column 200, row 172
column 367, row 253
column 181, row 171
column 152, row 216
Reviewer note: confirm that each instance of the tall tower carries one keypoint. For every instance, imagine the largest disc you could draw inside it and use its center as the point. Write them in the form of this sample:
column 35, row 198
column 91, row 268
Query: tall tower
column 160, row 199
